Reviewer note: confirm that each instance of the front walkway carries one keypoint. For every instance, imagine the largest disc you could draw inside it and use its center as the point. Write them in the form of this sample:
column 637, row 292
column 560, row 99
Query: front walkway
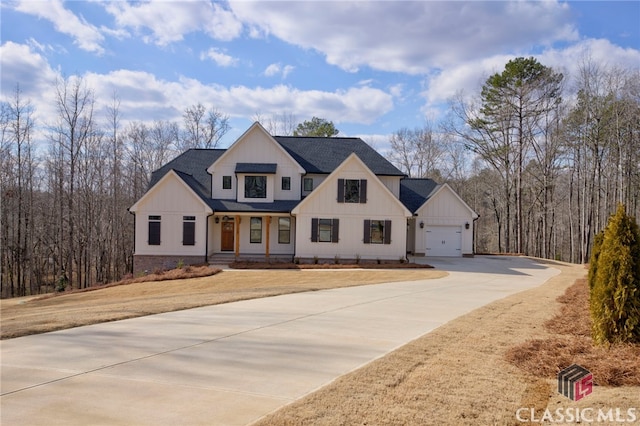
column 231, row 364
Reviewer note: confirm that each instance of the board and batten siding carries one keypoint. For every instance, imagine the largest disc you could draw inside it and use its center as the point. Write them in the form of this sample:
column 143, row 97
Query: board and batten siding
column 256, row 146
column 392, row 183
column 444, row 209
column 171, row 200
column 246, row 246
column 323, row 204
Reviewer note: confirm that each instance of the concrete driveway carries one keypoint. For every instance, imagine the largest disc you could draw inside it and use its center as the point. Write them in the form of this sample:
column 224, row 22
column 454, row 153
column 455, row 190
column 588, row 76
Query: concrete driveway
column 232, row 364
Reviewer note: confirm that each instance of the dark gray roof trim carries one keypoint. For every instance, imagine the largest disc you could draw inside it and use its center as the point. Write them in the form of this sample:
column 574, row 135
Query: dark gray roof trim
column 284, row 206
column 266, row 168
column 415, row 192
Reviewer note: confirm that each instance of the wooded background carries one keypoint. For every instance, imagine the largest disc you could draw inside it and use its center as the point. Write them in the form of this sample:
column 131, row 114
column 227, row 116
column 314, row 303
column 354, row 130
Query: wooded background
column 543, row 162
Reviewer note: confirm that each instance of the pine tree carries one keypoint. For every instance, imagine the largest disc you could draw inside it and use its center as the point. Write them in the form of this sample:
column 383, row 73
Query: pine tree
column 615, row 292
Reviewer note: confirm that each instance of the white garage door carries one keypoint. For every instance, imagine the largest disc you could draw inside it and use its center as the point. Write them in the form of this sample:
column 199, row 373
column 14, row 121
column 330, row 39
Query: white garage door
column 443, row 241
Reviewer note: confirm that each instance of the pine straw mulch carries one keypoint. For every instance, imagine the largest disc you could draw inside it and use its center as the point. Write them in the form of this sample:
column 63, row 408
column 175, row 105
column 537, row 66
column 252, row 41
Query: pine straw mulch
column 571, row 342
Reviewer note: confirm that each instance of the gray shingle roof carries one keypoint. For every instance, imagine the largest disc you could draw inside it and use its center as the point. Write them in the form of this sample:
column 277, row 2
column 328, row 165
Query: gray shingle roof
column 194, row 163
column 324, row 155
column 415, row 192
column 315, row 155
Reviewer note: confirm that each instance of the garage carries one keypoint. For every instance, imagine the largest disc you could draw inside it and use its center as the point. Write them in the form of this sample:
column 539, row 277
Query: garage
column 445, row 241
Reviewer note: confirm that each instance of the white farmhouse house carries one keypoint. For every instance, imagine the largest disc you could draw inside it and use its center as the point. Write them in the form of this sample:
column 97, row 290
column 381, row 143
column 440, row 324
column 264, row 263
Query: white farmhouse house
column 284, row 197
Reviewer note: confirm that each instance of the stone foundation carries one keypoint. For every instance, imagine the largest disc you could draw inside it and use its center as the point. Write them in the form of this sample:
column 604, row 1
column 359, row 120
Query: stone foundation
column 147, row 264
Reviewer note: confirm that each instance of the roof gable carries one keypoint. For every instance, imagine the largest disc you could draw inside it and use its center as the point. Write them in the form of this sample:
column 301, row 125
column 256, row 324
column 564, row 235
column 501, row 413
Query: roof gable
column 323, row 155
column 419, row 187
column 190, row 184
column 255, row 127
column 328, row 183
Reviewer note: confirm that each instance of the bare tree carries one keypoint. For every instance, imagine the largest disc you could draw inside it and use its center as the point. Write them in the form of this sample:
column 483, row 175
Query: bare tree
column 283, row 124
column 17, row 189
column 417, row 152
column 73, row 129
column 203, row 128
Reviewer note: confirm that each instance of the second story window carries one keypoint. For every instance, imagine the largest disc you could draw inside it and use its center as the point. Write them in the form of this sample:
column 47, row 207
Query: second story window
column 286, row 183
column 307, row 184
column 352, row 191
column 226, row 182
column 255, row 187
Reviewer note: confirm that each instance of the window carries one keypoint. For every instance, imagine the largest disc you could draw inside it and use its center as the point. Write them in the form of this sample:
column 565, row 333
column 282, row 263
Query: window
column 377, row 232
column 226, row 182
column 255, row 187
column 188, row 230
column 284, row 230
column 154, row 230
column 286, row 183
column 307, row 184
column 325, row 230
column 352, row 191
column 256, row 230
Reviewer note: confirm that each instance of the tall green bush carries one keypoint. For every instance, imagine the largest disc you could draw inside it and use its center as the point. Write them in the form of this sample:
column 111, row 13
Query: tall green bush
column 615, row 290
column 595, row 255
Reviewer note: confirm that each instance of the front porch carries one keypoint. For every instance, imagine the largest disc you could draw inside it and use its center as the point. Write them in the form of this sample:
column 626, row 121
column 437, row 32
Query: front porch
column 255, row 236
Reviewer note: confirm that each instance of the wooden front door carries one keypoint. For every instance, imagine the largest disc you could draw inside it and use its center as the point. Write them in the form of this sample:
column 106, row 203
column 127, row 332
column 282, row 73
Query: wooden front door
column 226, row 242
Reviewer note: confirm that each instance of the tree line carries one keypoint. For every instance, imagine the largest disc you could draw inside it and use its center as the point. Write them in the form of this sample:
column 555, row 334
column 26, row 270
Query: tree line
column 66, row 185
column 542, row 163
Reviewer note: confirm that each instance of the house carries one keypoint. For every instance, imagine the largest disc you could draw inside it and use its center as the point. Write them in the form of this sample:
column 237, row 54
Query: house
column 282, row 197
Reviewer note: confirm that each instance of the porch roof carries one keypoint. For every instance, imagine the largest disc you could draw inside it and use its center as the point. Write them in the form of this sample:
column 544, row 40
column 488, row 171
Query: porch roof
column 282, row 206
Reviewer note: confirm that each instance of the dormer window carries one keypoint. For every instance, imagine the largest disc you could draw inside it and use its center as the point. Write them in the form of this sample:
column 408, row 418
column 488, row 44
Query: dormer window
column 255, row 187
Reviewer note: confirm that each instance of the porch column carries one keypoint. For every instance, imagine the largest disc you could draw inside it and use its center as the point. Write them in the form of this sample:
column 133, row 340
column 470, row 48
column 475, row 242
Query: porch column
column 237, row 236
column 268, row 220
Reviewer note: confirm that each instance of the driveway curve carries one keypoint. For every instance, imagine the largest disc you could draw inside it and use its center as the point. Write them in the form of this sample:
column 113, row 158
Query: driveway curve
column 232, row 364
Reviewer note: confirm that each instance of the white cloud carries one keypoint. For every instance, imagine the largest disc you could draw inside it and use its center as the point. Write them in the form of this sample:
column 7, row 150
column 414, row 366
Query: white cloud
column 219, row 57
column 414, row 38
column 277, row 69
column 86, row 36
column 170, row 21
column 272, row 70
column 469, row 76
column 145, row 97
column 22, row 66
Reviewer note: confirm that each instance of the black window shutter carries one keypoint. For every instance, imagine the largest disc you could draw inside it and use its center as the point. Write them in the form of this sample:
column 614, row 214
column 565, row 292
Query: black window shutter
column 367, row 231
column 154, row 233
column 387, row 232
column 341, row 190
column 314, row 230
column 335, row 230
column 188, row 233
column 363, row 191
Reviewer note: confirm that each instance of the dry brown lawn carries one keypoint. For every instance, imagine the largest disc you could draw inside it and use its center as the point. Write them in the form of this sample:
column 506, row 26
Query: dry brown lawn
column 457, row 374
column 23, row 316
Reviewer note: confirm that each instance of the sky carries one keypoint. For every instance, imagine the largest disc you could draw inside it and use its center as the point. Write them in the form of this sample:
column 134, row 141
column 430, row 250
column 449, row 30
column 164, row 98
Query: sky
column 370, row 67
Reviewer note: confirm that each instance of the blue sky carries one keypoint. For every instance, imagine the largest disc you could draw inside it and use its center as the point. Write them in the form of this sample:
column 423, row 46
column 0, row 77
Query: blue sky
column 370, row 67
